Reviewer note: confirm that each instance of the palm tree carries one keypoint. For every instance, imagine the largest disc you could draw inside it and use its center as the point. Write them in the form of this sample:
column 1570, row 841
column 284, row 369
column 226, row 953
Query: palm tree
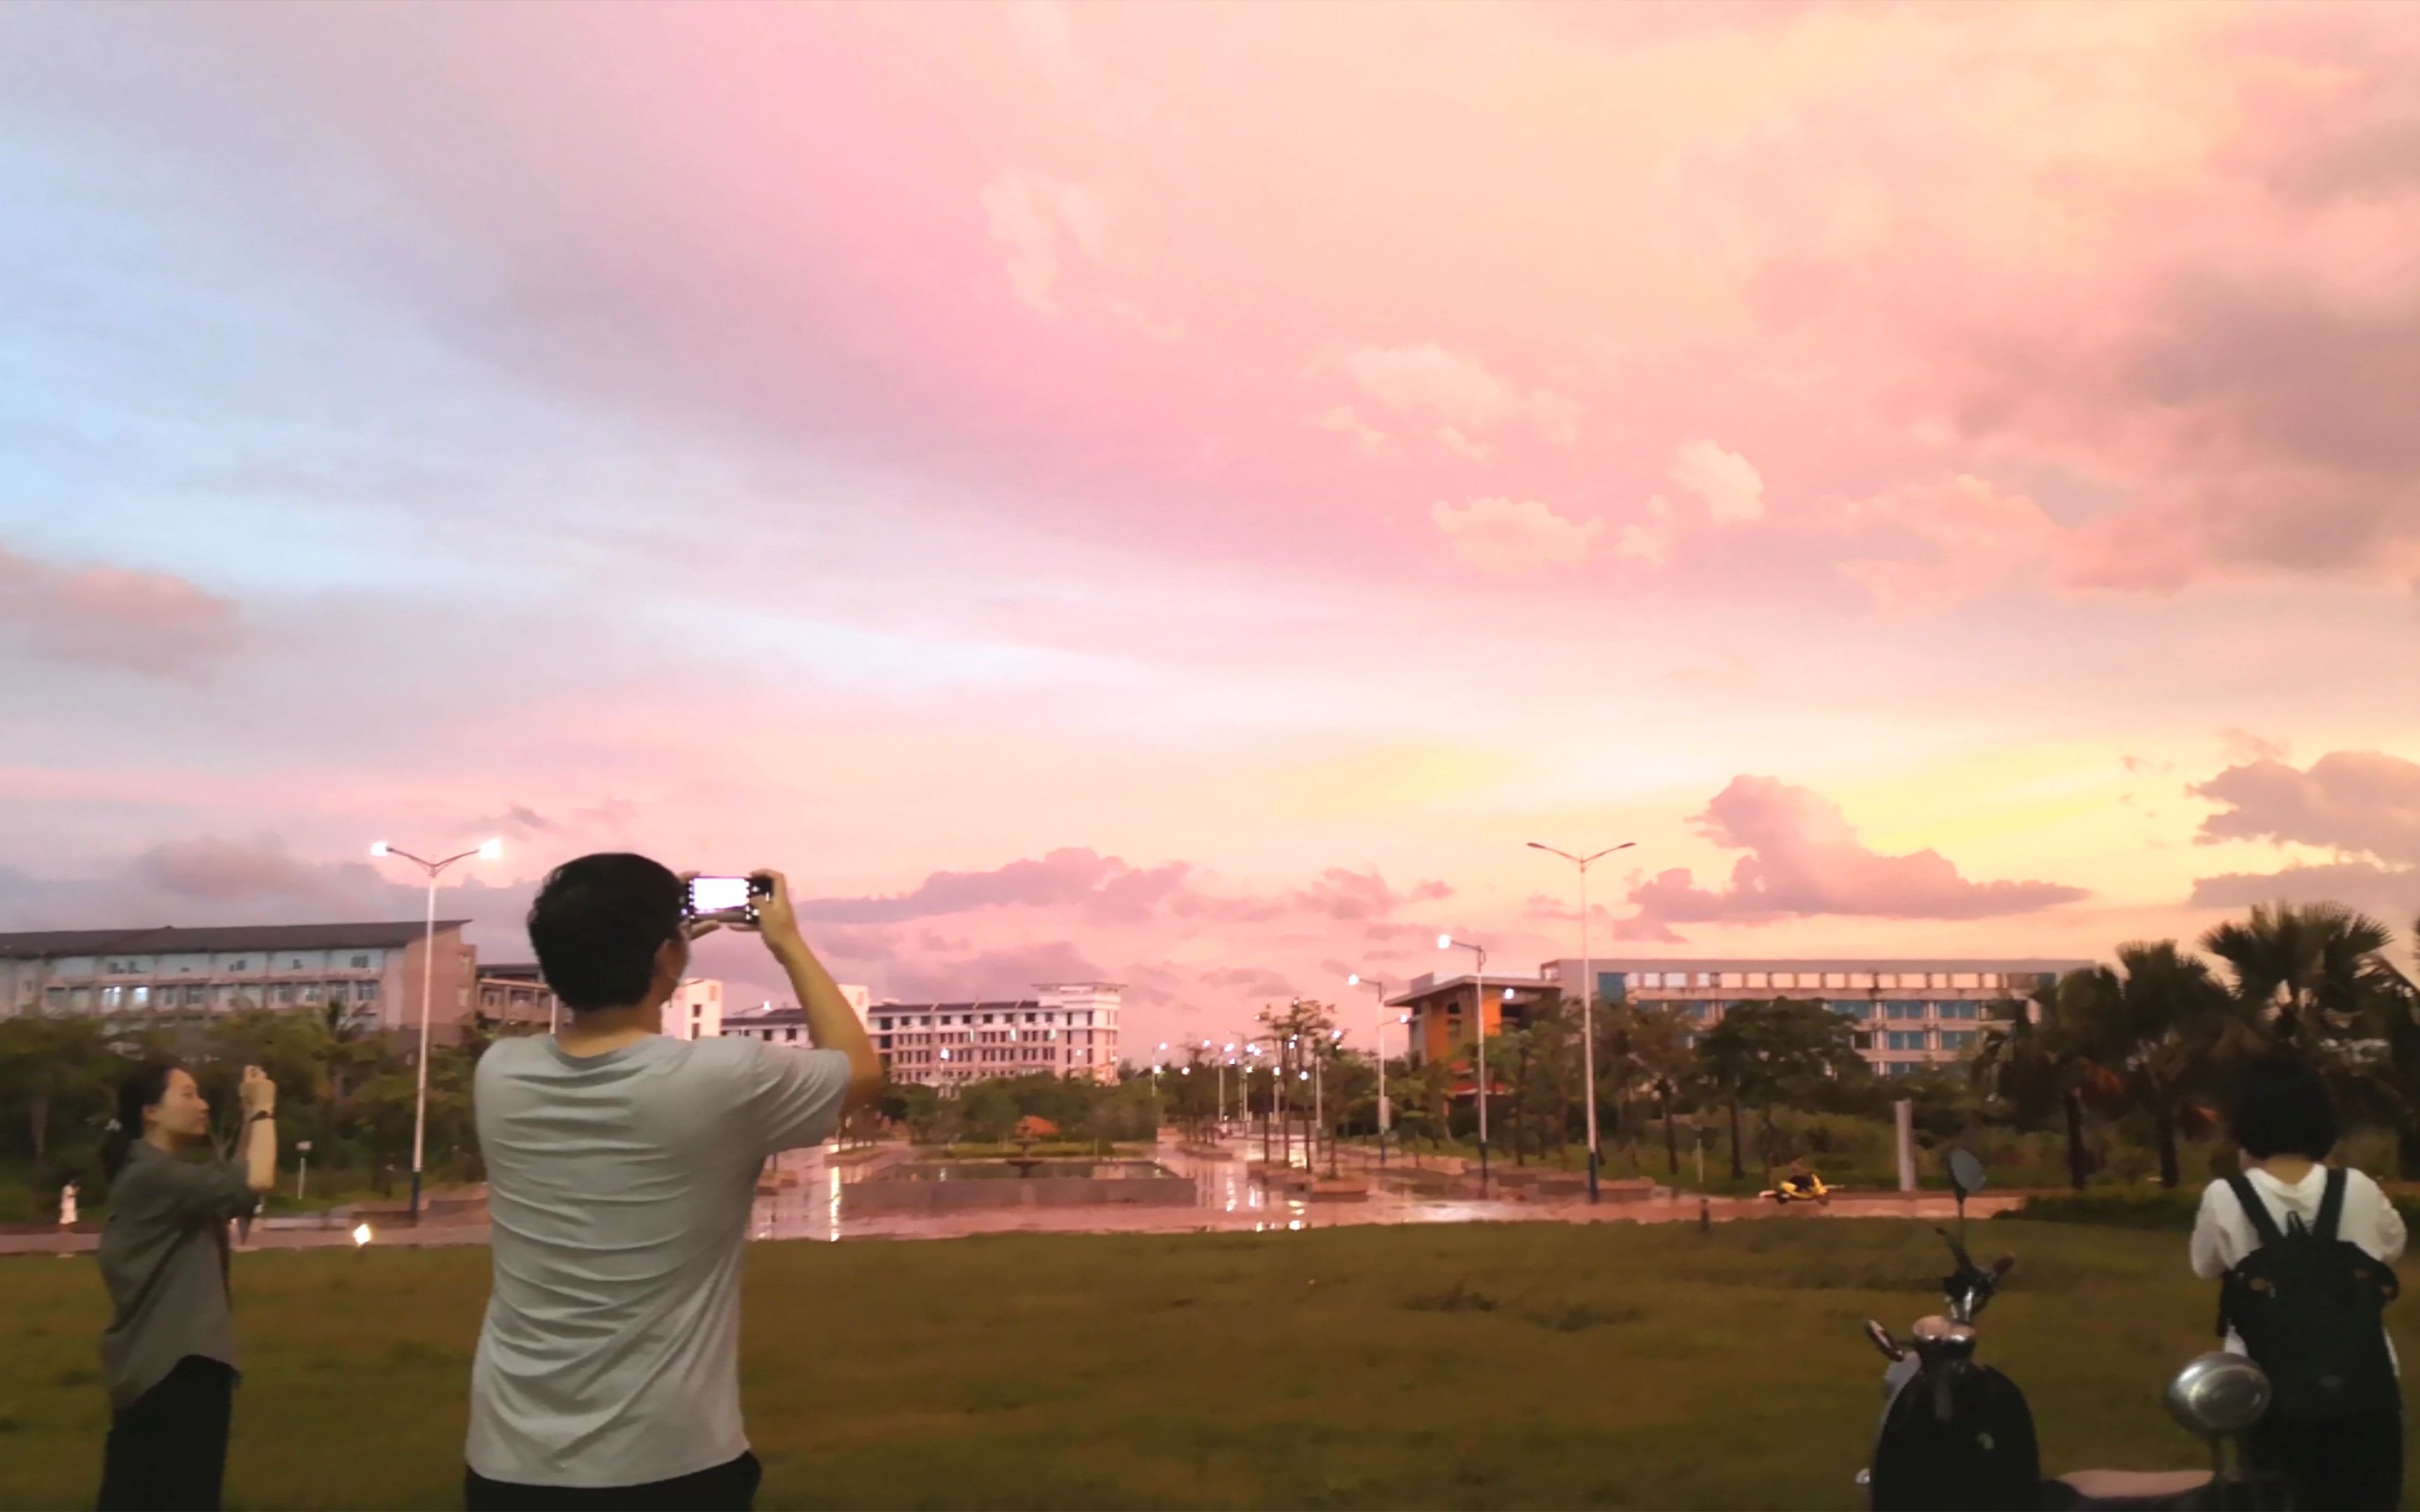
column 2305, row 964
column 1654, row 1054
column 2159, row 1020
column 2392, row 1004
column 2031, row 1060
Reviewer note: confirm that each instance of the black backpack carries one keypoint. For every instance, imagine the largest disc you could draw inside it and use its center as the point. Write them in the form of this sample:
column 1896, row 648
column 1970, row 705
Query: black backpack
column 1958, row 1438
column 2310, row 1308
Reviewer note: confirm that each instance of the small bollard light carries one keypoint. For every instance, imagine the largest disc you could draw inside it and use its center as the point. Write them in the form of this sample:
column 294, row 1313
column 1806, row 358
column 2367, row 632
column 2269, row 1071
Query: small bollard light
column 361, row 1235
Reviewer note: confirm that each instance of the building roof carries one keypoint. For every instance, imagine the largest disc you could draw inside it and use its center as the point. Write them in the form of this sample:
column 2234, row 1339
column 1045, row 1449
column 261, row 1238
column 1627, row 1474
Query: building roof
column 887, row 1006
column 1434, row 985
column 1694, row 962
column 757, row 1018
column 512, row 971
column 30, row 945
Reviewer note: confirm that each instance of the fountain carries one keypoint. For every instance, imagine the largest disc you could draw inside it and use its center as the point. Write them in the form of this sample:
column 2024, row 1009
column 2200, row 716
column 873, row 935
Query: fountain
column 1025, row 1160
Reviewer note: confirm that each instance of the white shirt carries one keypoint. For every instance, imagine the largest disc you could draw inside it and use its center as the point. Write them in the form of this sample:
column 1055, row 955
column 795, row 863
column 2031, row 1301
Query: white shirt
column 619, row 1186
column 2222, row 1235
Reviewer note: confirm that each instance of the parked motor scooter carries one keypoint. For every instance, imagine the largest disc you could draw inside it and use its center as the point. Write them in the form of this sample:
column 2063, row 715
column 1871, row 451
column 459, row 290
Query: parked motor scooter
column 1957, row 1434
column 1794, row 1189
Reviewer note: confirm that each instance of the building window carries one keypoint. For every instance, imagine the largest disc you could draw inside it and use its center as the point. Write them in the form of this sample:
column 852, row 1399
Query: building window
column 1959, row 1040
column 366, row 991
column 142, row 997
column 1905, row 1039
column 239, row 966
column 361, row 962
column 194, row 995
column 1848, row 1008
column 1903, row 1010
column 1966, row 1011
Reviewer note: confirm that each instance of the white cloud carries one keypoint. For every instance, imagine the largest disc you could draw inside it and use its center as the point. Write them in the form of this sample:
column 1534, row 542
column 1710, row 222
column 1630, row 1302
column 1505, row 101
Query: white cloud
column 1507, row 537
column 1730, row 485
column 1458, row 390
column 1974, row 537
column 1344, row 421
column 1035, row 217
column 1651, row 541
column 1462, row 446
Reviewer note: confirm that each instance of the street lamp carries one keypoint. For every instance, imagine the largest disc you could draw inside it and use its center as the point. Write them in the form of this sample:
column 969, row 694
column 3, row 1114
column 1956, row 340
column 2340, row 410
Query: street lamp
column 487, row 851
column 1378, row 1048
column 1587, row 995
column 1478, row 1032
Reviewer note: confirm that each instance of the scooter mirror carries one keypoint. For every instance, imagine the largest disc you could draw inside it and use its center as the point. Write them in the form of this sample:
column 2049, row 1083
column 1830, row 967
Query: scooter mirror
column 1966, row 1176
column 2001, row 1266
column 2218, row 1394
column 1892, row 1348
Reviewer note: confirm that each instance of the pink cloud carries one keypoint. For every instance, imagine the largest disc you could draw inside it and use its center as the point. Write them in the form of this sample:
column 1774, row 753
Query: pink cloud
column 2355, row 802
column 149, row 623
column 2390, row 893
column 1507, row 537
column 1804, row 859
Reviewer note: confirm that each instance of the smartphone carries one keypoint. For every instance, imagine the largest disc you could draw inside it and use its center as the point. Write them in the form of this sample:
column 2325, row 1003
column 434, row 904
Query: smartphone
column 725, row 900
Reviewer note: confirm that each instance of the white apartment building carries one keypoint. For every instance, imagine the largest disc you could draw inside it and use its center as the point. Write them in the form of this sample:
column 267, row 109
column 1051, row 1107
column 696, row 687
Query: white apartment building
column 1064, row 1030
column 694, row 1010
column 782, row 1025
column 1908, row 1013
column 143, row 977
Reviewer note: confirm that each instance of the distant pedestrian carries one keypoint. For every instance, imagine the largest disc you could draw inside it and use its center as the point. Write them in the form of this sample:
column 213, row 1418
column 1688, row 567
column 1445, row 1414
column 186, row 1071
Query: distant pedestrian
column 168, row 1355
column 2306, row 1252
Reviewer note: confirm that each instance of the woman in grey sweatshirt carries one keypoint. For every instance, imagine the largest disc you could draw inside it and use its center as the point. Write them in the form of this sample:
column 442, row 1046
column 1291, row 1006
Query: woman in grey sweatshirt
column 168, row 1354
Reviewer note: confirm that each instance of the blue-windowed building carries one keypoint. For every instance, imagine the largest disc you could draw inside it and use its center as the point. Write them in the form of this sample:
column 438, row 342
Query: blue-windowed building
column 1909, row 1014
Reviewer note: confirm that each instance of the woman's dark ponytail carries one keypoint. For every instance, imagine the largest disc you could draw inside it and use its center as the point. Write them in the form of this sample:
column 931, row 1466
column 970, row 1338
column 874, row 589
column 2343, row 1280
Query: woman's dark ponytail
column 143, row 1087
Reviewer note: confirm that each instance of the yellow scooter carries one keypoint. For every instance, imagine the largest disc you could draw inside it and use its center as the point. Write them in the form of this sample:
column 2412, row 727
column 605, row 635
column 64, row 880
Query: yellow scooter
column 1808, row 1187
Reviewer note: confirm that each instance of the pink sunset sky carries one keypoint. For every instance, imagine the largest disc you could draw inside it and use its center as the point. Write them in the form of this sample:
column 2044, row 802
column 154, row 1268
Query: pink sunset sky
column 1180, row 494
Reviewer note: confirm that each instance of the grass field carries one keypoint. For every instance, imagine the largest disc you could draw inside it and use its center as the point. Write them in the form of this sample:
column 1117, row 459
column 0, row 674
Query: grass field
column 1461, row 1366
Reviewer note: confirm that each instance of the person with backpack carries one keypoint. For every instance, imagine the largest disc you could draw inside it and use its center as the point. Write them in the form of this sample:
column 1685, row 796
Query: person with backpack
column 2305, row 1254
column 168, row 1353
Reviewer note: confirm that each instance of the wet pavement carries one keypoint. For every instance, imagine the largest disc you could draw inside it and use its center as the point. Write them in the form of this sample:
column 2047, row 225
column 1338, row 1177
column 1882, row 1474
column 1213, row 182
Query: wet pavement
column 1230, row 1198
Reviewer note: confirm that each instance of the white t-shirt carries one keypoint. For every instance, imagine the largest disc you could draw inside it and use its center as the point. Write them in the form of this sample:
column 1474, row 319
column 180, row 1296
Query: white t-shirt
column 2222, row 1235
column 619, row 1187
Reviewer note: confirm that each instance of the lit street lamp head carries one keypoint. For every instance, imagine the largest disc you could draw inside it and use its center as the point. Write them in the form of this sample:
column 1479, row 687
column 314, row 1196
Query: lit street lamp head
column 1445, row 942
column 492, row 848
column 377, row 847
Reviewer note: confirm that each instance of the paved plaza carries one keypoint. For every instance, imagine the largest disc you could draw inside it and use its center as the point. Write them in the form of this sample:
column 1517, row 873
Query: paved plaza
column 1230, row 1198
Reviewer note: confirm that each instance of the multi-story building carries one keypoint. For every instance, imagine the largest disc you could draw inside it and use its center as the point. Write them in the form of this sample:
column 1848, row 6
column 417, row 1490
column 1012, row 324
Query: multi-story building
column 143, row 977
column 1909, row 1014
column 516, row 993
column 694, row 1010
column 1066, row 1030
column 782, row 1025
column 1437, row 1008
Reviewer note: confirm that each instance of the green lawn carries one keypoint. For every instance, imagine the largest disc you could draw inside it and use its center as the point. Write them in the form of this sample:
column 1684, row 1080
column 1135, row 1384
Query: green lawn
column 1507, row 1365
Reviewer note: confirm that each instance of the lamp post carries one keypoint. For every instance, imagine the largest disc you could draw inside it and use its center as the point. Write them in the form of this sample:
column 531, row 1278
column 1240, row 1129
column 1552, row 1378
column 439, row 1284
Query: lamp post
column 1587, row 996
column 1479, row 1033
column 487, row 851
column 1378, row 1048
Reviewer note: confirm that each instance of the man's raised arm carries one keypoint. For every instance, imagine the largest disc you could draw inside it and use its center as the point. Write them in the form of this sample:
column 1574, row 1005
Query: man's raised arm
column 831, row 1023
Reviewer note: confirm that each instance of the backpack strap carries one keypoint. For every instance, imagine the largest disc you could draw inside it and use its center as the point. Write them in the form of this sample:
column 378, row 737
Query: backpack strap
column 2255, row 1210
column 2331, row 1205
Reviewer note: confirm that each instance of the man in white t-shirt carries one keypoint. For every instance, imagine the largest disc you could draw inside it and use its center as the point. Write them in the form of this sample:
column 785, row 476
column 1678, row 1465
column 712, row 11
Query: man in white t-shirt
column 621, row 1169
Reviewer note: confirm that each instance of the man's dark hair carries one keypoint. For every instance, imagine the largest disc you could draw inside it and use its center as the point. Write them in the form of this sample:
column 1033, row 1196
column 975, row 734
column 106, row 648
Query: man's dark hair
column 2282, row 1107
column 597, row 923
